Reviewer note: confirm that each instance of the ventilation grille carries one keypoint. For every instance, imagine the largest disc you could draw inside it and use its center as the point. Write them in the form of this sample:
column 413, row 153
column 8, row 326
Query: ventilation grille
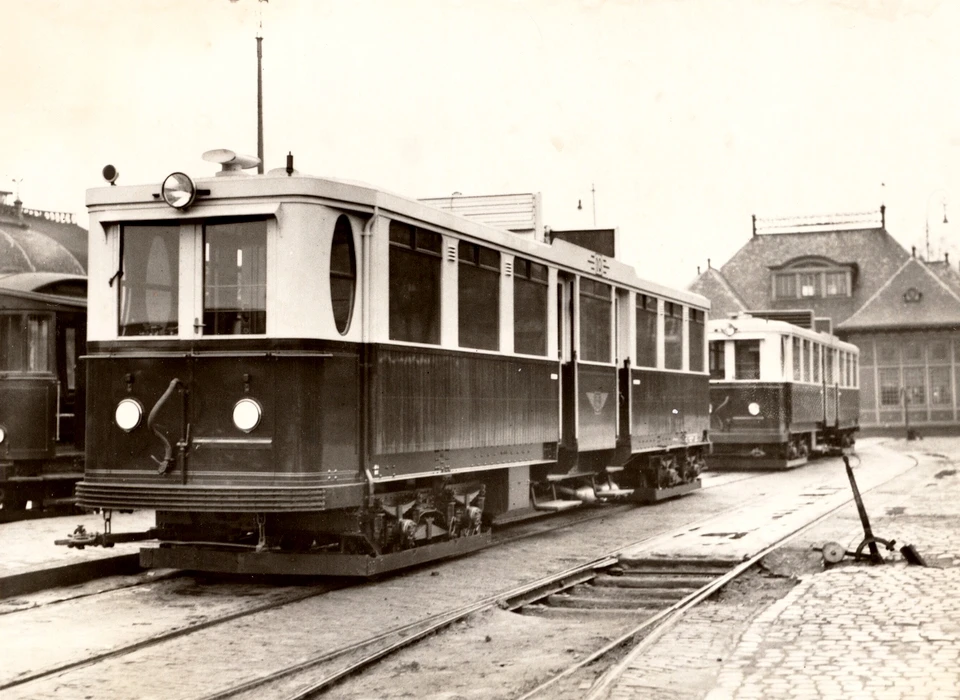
column 451, row 253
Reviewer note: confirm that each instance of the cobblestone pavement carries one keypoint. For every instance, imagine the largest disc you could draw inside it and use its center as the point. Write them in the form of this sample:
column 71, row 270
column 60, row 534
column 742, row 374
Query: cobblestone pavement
column 853, row 631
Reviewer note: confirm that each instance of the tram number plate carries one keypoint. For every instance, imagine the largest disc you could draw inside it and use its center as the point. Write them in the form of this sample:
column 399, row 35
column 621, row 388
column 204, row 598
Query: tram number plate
column 690, row 438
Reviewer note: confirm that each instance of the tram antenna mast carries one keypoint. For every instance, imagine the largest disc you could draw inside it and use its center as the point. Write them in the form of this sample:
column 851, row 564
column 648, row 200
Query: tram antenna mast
column 260, row 86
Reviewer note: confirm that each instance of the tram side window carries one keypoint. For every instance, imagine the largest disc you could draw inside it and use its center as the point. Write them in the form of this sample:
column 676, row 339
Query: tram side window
column 797, row 359
column 343, row 273
column 235, row 278
column 828, row 354
column 595, row 309
column 646, row 331
column 806, row 360
column 25, row 343
column 149, row 280
column 717, row 359
column 817, row 360
column 479, row 297
column 696, row 339
column 673, row 336
column 746, row 355
column 529, row 307
column 414, row 284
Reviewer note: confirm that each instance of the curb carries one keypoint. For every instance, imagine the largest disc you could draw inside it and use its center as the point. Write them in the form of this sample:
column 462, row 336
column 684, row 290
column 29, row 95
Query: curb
column 69, row 574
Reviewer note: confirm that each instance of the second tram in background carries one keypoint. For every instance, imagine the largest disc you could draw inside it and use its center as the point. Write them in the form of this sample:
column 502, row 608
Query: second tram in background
column 42, row 336
column 779, row 393
column 304, row 375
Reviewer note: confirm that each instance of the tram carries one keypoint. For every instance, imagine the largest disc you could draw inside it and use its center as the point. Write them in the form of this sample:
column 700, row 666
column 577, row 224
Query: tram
column 312, row 376
column 42, row 337
column 779, row 393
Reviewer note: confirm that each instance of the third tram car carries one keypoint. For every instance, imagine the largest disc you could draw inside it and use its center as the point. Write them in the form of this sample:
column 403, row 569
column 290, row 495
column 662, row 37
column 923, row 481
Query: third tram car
column 305, row 375
column 779, row 393
column 42, row 337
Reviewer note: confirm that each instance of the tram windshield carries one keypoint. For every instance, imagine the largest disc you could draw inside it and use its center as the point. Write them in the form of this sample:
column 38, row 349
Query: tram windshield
column 149, row 283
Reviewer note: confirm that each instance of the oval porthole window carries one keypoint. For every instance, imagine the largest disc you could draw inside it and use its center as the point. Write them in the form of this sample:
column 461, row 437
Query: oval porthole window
column 343, row 274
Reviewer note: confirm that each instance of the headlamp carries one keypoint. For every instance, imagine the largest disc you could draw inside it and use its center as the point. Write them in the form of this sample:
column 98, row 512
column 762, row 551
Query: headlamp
column 178, row 190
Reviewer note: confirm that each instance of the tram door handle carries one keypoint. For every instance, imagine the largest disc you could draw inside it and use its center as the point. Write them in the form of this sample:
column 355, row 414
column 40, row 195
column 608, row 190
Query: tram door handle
column 198, row 325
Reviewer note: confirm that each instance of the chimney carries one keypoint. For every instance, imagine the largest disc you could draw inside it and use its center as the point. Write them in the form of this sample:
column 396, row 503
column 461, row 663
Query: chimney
column 708, row 264
column 18, row 209
column 946, row 258
column 883, row 216
column 913, row 251
column 754, row 217
column 698, row 270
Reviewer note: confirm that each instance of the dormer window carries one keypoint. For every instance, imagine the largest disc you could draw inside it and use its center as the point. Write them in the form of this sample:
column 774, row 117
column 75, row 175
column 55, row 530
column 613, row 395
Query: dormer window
column 812, row 278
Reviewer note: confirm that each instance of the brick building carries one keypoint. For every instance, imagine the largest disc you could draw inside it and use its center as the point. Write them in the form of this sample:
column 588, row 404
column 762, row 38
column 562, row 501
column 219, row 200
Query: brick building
column 901, row 311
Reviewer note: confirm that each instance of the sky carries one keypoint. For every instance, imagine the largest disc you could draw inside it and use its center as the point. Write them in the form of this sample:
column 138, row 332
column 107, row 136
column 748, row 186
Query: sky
column 673, row 120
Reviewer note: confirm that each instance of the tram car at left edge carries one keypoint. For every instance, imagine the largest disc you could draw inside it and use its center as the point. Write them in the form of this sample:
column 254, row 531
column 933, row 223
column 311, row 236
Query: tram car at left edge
column 42, row 338
column 310, row 376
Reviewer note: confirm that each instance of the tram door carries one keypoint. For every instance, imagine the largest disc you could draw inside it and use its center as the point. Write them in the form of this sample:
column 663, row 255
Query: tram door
column 567, row 352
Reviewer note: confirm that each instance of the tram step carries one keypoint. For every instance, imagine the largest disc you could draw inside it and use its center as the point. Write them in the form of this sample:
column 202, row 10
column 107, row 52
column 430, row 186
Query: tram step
column 558, row 505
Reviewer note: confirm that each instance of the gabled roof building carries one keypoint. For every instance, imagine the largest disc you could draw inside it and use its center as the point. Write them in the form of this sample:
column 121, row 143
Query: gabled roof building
column 901, row 311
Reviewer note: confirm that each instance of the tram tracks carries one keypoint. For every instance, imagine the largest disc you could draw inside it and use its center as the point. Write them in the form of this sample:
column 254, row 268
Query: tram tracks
column 590, row 677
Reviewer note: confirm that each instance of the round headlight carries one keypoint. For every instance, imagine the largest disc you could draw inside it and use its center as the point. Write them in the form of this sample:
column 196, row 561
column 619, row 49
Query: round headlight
column 178, row 190
column 754, row 409
column 128, row 415
column 247, row 414
column 3, row 434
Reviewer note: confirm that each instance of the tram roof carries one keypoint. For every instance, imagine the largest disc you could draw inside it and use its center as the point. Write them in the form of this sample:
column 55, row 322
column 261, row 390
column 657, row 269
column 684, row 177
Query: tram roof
column 47, row 287
column 744, row 325
column 116, row 203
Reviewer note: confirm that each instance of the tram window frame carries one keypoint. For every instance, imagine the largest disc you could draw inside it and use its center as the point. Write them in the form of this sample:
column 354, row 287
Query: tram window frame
column 138, row 296
column 478, row 296
column 672, row 335
column 21, row 349
column 596, row 310
column 817, row 362
column 343, row 274
column 746, row 356
column 696, row 333
column 531, row 292
column 414, row 284
column 647, row 337
column 249, row 317
column 717, row 351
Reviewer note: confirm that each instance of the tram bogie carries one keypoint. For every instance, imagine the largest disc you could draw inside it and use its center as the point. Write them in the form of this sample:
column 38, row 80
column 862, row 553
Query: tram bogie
column 780, row 394
column 302, row 375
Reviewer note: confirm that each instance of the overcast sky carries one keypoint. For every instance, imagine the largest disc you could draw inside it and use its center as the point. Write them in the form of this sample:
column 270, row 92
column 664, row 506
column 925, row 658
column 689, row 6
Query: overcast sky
column 686, row 116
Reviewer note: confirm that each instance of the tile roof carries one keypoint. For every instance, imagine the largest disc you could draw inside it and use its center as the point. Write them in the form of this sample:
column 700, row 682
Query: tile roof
column 948, row 274
column 873, row 251
column 724, row 300
column 935, row 303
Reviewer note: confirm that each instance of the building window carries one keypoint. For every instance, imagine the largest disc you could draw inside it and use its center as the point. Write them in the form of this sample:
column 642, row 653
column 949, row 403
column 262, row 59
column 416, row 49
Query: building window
column 414, row 284
column 807, row 279
column 939, row 352
column 646, row 331
column 786, row 286
column 718, row 359
column 913, row 382
column 479, row 297
column 673, row 336
column 595, row 313
column 235, row 278
column 149, row 280
column 529, row 307
column 940, row 394
column 888, row 353
column 835, row 284
column 912, row 352
column 696, row 334
column 343, row 274
column 889, row 387
column 746, row 355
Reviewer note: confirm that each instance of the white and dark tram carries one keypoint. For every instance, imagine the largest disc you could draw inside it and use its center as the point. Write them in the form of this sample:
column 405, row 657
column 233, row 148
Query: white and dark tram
column 305, row 375
column 779, row 393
